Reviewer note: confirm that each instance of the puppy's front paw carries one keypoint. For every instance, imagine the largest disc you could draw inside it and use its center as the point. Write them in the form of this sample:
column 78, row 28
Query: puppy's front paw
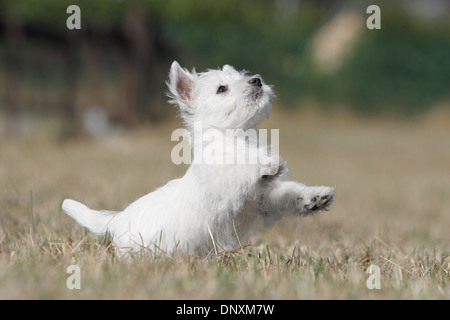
column 318, row 199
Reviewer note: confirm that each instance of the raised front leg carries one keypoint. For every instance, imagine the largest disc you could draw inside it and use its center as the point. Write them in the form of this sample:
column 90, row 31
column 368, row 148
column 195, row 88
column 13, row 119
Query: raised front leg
column 283, row 198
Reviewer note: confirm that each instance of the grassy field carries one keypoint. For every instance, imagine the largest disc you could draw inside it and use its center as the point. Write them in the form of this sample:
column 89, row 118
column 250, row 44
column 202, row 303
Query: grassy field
column 391, row 210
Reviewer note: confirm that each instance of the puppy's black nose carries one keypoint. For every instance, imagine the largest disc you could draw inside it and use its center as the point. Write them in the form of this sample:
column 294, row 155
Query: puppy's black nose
column 255, row 82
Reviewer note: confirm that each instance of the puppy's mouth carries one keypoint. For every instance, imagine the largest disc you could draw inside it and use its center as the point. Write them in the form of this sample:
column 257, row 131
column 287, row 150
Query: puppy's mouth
column 255, row 93
column 259, row 95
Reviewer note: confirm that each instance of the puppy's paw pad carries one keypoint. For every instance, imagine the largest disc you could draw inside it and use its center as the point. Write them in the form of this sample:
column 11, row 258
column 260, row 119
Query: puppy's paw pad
column 321, row 199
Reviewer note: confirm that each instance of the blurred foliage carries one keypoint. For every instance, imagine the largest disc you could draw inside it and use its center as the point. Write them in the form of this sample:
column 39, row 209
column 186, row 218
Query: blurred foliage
column 404, row 67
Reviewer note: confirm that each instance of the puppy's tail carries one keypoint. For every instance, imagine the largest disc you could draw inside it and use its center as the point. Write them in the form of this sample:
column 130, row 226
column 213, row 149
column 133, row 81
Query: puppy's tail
column 96, row 221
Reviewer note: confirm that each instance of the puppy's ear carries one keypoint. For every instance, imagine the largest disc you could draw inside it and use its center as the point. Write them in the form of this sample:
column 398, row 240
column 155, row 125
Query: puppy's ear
column 181, row 85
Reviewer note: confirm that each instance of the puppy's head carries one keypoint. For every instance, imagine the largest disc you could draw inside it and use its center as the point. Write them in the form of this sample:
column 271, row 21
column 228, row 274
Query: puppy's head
column 222, row 99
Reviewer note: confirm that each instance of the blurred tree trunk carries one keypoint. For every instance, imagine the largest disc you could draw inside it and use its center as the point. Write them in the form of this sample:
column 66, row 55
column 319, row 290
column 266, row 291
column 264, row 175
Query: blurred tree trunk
column 13, row 71
column 96, row 62
column 136, row 61
column 72, row 115
column 158, row 73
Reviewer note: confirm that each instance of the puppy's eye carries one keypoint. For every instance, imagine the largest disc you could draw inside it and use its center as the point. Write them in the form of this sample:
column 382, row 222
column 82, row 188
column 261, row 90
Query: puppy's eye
column 222, row 89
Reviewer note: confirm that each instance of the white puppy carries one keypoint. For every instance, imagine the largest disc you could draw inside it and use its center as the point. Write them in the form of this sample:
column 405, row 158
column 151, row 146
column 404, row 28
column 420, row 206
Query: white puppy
column 212, row 206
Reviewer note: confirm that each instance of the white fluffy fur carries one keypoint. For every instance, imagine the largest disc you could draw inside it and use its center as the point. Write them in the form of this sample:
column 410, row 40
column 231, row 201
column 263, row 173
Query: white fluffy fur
column 212, row 206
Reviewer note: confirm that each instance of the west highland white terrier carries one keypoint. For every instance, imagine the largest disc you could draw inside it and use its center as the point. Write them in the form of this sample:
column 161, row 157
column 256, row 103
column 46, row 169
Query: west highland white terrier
column 214, row 205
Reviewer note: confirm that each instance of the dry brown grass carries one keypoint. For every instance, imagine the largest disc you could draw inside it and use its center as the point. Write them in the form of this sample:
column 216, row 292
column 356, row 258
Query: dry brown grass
column 393, row 195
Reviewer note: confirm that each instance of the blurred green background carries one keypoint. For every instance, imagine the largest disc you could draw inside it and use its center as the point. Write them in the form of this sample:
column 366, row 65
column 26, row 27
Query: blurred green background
column 315, row 52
